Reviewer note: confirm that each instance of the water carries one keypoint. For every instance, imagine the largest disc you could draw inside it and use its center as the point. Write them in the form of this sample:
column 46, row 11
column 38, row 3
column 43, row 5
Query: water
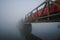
column 10, row 31
column 46, row 31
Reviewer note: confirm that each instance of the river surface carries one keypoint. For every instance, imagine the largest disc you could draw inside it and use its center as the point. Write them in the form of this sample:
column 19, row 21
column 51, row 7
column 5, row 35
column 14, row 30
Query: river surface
column 46, row 31
column 43, row 30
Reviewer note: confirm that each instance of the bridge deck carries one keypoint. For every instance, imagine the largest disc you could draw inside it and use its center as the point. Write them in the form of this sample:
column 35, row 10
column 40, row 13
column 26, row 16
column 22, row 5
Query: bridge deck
column 55, row 17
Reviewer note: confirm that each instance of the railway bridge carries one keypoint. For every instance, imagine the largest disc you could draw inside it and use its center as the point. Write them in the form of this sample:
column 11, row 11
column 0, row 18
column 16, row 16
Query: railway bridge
column 50, row 12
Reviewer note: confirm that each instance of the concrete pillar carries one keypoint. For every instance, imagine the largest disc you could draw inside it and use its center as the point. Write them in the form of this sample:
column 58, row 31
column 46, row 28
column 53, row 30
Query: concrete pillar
column 27, row 29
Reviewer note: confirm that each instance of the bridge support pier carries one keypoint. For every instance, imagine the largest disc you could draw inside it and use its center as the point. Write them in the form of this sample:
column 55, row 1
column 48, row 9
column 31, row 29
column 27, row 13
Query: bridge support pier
column 27, row 28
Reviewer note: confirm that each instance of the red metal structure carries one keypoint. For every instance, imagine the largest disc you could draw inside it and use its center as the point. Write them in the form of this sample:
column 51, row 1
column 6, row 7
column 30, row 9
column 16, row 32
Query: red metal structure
column 49, row 13
column 50, row 8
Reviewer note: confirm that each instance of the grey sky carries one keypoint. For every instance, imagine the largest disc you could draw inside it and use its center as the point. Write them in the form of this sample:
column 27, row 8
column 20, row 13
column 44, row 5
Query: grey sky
column 16, row 9
column 11, row 11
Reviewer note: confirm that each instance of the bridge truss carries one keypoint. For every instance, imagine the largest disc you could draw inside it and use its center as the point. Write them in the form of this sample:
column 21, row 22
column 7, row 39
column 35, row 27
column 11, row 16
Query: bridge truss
column 50, row 17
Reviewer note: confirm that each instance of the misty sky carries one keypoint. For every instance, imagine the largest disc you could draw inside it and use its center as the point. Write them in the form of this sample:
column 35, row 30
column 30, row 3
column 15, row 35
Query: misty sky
column 11, row 12
column 14, row 10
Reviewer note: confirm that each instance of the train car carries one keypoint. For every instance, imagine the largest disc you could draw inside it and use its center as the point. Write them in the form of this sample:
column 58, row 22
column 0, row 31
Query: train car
column 44, row 12
column 53, row 9
column 39, row 12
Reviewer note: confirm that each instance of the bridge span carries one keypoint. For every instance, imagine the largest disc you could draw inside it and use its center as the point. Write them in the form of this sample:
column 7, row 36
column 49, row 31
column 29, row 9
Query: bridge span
column 49, row 13
column 48, row 19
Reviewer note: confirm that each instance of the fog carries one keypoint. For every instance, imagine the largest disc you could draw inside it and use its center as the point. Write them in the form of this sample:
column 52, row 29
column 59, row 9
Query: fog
column 11, row 12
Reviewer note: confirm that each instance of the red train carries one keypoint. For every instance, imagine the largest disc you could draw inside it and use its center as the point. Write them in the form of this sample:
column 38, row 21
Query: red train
column 53, row 8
